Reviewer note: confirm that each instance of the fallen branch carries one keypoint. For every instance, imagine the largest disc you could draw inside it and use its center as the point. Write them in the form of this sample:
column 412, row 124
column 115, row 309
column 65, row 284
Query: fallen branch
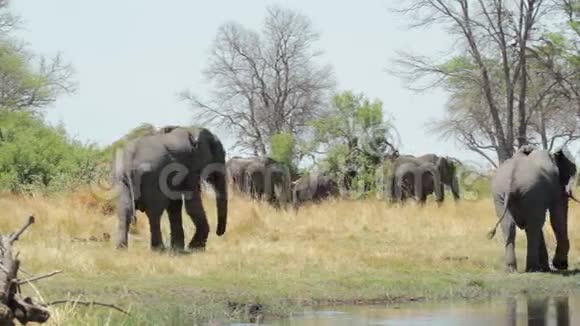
column 13, row 237
column 11, row 305
column 89, row 303
column 40, row 277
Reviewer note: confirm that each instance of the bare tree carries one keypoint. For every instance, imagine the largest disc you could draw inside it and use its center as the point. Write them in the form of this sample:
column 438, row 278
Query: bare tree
column 265, row 83
column 554, row 109
column 28, row 81
column 551, row 117
column 8, row 21
column 494, row 36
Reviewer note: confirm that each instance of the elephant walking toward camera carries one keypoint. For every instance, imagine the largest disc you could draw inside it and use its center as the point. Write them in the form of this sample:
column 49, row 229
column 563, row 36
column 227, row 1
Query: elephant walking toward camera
column 412, row 180
column 266, row 178
column 163, row 171
column 447, row 171
column 435, row 171
column 236, row 167
column 524, row 188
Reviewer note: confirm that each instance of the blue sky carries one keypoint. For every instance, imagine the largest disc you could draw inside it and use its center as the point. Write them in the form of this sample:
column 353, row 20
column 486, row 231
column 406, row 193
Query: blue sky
column 132, row 57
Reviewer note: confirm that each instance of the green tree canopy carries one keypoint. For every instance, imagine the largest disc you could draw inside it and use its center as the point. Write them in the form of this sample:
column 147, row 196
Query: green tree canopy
column 34, row 154
column 354, row 135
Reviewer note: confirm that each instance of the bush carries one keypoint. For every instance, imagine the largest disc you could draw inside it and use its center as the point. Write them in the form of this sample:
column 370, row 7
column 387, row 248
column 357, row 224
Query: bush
column 473, row 184
column 282, row 149
column 35, row 156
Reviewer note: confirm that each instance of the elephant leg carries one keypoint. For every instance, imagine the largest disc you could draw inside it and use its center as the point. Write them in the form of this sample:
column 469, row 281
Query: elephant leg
column 125, row 215
column 543, row 254
column 562, row 311
column 400, row 192
column 194, row 208
column 419, row 189
column 512, row 312
column 154, row 215
column 508, row 228
column 396, row 191
column 538, row 311
column 155, row 201
column 533, row 235
column 559, row 222
column 253, row 190
column 176, row 225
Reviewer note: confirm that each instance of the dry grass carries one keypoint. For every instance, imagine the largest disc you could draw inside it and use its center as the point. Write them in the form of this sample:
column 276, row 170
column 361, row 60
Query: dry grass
column 338, row 250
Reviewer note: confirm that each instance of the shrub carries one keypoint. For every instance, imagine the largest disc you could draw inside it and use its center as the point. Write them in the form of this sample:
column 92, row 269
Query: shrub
column 35, row 156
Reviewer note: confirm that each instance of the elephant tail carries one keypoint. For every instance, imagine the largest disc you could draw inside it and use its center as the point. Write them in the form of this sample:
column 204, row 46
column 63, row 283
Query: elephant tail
column 492, row 232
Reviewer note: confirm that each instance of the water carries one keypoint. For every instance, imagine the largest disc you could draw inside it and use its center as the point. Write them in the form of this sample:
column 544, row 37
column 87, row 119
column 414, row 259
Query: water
column 560, row 311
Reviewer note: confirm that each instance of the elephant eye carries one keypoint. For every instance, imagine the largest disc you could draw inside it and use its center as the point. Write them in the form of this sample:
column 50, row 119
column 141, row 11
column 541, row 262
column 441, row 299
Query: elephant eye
column 194, row 145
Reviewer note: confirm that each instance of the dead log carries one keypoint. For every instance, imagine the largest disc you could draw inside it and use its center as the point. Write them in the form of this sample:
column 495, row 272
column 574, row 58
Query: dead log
column 12, row 306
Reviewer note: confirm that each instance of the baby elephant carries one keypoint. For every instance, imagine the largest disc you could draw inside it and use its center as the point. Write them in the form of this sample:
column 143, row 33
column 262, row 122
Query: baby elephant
column 315, row 187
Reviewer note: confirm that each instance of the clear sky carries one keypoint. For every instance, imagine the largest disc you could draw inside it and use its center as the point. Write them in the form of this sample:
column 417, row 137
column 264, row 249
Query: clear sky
column 132, row 57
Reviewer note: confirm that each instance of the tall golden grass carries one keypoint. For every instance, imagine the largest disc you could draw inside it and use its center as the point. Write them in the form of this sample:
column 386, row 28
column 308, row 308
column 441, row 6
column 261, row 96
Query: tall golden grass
column 341, row 242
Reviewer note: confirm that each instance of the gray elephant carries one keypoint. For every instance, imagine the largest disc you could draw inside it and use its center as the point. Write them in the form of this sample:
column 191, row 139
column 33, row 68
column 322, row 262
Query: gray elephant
column 413, row 180
column 236, row 167
column 162, row 171
column 314, row 187
column 445, row 166
column 266, row 178
column 526, row 186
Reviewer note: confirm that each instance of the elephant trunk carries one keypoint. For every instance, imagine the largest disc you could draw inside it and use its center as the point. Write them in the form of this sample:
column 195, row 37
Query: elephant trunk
column 391, row 187
column 455, row 187
column 222, row 207
column 438, row 185
column 294, row 195
column 218, row 180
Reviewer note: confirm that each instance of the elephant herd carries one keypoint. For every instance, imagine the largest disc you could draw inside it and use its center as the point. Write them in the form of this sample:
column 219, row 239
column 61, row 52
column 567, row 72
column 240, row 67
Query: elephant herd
column 418, row 177
column 410, row 177
column 260, row 178
column 163, row 172
column 265, row 178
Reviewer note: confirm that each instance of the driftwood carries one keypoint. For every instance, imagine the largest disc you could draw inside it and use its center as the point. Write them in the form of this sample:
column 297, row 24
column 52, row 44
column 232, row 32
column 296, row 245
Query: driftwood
column 12, row 306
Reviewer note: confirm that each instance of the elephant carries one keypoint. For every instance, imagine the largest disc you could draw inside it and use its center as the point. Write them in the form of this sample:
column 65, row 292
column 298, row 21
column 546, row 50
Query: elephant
column 447, row 169
column 445, row 166
column 162, row 171
column 266, row 178
column 412, row 180
column 236, row 167
column 314, row 187
column 524, row 187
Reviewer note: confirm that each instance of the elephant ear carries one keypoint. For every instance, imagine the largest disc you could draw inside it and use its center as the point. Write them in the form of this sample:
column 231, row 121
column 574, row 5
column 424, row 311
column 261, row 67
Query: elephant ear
column 442, row 166
column 566, row 166
column 566, row 153
column 215, row 146
column 565, row 163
